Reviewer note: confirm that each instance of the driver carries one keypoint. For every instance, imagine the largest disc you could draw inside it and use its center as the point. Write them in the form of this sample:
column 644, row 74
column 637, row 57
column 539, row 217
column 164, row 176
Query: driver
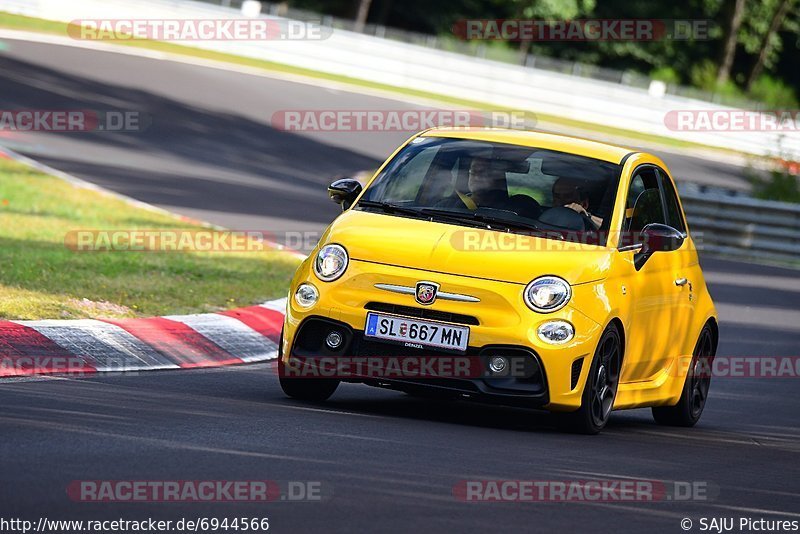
column 571, row 194
column 485, row 189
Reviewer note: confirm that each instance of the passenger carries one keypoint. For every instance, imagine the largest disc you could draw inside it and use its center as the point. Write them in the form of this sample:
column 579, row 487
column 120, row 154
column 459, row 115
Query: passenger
column 571, row 194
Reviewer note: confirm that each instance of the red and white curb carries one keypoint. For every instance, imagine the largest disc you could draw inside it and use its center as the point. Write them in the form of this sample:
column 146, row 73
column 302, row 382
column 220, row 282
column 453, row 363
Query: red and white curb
column 243, row 335
column 46, row 347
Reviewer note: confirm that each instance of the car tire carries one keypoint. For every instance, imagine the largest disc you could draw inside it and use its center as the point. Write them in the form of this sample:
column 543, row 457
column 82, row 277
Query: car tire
column 695, row 389
column 600, row 391
column 307, row 389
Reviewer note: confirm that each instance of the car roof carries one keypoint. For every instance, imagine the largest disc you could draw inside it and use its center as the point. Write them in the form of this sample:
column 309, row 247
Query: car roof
column 548, row 141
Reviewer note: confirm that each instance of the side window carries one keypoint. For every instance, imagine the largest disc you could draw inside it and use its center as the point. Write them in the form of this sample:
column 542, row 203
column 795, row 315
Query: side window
column 674, row 217
column 643, row 206
column 637, row 186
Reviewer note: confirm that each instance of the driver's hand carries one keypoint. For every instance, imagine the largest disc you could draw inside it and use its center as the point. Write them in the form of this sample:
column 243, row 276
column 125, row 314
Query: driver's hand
column 577, row 208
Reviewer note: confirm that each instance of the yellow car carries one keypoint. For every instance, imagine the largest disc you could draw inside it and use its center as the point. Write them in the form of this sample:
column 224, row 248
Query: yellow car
column 520, row 268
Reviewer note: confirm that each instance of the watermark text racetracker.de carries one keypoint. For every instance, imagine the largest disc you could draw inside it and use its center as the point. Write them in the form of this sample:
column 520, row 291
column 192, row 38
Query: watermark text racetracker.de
column 592, row 490
column 73, row 120
column 197, row 491
column 396, row 120
column 525, row 241
column 186, row 240
column 741, row 367
column 46, row 364
column 732, row 120
column 255, row 29
column 582, row 30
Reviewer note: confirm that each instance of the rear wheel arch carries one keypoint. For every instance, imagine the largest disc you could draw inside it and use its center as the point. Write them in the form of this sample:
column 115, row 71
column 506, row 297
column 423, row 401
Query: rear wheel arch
column 712, row 323
column 694, row 392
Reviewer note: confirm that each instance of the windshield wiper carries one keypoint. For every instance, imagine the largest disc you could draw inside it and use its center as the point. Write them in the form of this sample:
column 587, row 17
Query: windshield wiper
column 489, row 220
column 388, row 207
column 472, row 218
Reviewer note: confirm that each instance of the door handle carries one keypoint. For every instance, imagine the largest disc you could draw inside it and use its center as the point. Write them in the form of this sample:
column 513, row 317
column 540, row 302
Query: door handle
column 681, row 282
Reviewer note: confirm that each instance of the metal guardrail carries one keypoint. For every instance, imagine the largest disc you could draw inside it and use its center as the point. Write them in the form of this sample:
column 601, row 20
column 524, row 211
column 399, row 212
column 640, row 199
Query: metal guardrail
column 743, row 227
column 508, row 55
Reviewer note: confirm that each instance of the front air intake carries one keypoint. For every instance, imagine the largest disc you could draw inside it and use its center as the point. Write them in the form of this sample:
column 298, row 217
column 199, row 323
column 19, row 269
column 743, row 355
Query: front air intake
column 577, row 365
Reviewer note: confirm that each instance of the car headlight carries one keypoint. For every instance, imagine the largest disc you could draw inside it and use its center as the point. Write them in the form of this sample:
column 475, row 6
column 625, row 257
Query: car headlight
column 547, row 294
column 556, row 332
column 330, row 263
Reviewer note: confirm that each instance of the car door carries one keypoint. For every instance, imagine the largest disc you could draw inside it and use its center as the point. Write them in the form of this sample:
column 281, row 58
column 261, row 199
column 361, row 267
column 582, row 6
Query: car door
column 655, row 322
column 687, row 270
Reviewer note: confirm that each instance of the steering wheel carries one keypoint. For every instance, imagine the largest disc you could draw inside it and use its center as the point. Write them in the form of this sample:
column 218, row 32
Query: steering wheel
column 569, row 219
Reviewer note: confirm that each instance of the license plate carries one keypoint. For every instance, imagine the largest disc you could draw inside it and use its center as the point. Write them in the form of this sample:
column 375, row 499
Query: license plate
column 413, row 333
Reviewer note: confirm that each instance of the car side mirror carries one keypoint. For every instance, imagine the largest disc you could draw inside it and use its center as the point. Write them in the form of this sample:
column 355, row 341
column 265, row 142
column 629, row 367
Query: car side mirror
column 657, row 238
column 344, row 192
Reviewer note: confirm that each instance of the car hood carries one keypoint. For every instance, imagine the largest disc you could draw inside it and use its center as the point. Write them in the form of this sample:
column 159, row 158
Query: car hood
column 465, row 251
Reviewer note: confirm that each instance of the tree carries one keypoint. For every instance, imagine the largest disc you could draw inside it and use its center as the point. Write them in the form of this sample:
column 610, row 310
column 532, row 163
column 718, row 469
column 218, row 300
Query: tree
column 753, row 43
column 730, row 42
column 550, row 10
column 361, row 15
column 769, row 40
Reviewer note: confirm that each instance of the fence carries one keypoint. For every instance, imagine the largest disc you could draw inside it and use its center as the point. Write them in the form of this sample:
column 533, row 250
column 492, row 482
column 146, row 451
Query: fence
column 496, row 53
column 743, row 227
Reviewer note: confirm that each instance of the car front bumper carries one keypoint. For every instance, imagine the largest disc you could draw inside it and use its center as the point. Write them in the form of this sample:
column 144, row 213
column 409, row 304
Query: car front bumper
column 500, row 323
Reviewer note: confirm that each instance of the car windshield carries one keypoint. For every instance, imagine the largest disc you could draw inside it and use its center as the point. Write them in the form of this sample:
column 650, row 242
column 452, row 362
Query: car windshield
column 498, row 186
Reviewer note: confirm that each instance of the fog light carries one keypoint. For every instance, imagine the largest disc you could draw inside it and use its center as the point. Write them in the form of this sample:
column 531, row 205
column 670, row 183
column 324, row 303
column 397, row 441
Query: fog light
column 306, row 295
column 498, row 364
column 334, row 340
column 556, row 332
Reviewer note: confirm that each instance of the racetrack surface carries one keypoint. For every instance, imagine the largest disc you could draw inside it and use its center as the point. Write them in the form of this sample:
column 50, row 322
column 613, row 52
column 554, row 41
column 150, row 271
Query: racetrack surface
column 390, row 461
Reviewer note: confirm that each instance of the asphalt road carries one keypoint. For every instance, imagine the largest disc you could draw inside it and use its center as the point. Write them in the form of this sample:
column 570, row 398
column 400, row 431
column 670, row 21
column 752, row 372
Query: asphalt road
column 388, row 462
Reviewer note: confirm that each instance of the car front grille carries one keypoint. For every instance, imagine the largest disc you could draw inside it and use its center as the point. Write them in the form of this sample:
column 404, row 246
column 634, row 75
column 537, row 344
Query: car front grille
column 423, row 313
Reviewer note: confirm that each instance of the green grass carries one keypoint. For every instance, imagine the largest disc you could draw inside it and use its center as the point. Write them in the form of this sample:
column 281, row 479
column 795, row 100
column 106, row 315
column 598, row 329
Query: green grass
column 41, row 278
column 18, row 22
